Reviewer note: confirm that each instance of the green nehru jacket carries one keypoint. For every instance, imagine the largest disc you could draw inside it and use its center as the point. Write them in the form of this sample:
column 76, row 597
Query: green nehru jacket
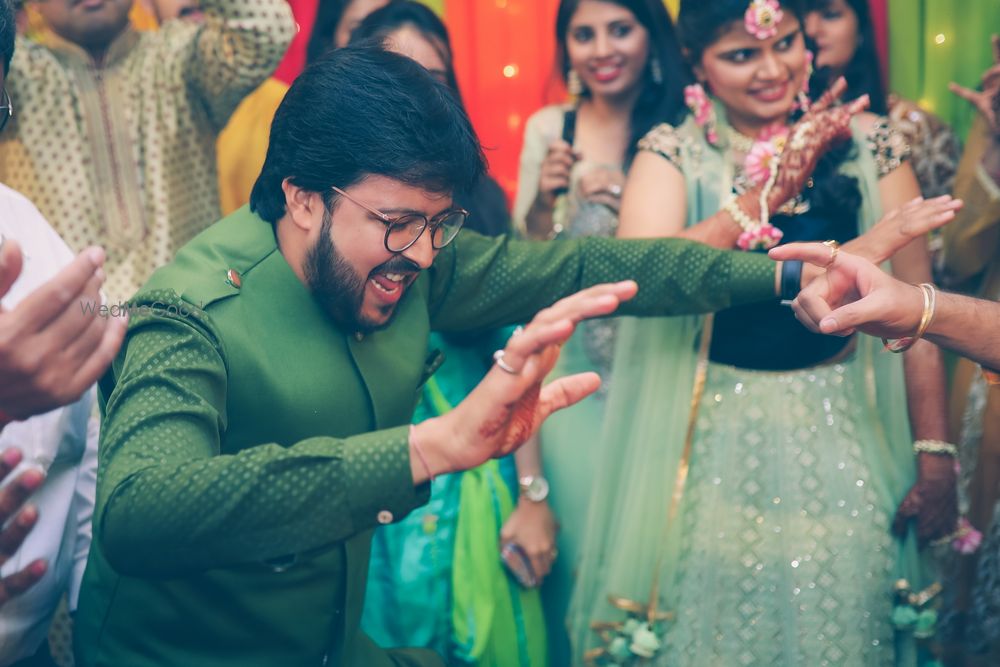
column 250, row 447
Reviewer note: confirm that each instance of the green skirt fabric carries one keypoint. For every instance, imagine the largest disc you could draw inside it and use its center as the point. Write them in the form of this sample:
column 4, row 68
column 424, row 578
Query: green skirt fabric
column 787, row 556
column 779, row 550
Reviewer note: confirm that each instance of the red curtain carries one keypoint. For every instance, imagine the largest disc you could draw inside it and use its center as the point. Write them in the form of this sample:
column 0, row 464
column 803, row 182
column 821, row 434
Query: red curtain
column 504, row 57
column 295, row 59
column 880, row 19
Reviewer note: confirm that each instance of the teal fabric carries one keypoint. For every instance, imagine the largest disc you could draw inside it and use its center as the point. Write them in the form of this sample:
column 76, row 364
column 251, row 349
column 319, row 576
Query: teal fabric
column 733, row 586
column 433, row 573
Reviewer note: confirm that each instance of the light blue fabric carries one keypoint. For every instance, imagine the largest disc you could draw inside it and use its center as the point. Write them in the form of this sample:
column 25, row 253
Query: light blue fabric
column 733, row 562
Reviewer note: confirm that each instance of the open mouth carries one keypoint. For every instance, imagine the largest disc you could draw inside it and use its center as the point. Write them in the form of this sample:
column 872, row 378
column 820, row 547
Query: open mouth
column 389, row 287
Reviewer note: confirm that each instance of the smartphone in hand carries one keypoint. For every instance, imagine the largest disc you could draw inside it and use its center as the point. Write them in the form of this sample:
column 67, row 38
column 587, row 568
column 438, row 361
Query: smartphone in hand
column 518, row 564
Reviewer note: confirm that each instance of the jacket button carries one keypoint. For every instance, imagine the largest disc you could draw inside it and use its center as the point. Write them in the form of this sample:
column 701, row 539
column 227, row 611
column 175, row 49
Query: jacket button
column 384, row 517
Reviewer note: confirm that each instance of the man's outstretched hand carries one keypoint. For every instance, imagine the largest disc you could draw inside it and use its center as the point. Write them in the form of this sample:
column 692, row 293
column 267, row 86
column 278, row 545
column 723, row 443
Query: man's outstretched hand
column 506, row 408
column 852, row 294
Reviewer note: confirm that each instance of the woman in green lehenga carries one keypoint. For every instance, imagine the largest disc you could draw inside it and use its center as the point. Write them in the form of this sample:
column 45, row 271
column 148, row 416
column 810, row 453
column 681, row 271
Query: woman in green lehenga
column 744, row 510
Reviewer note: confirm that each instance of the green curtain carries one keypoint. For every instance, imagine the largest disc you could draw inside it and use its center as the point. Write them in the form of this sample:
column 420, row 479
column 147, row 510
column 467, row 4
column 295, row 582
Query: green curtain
column 934, row 42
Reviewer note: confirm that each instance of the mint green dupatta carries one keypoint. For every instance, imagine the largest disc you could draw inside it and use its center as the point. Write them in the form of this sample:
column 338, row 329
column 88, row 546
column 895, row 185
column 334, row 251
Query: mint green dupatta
column 631, row 549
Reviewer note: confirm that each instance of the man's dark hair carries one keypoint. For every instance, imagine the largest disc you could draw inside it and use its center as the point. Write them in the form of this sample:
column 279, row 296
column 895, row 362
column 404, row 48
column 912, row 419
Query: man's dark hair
column 363, row 111
column 8, row 29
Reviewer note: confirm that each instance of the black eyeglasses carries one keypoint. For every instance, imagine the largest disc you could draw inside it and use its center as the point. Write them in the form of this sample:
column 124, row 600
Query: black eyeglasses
column 402, row 232
column 6, row 109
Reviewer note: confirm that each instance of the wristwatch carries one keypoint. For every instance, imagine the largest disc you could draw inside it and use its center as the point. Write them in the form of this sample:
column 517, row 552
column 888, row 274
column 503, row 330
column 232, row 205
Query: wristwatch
column 534, row 487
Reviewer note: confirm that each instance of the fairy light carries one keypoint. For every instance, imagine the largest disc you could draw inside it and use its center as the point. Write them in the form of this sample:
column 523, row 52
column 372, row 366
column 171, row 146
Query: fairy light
column 510, row 71
column 939, row 39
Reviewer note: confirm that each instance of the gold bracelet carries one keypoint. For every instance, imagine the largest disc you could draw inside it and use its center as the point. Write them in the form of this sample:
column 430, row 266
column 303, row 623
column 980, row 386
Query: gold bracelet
column 935, row 447
column 930, row 306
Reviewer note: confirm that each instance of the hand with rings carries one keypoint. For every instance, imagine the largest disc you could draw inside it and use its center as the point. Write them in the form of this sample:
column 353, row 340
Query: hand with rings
column 510, row 403
column 834, row 249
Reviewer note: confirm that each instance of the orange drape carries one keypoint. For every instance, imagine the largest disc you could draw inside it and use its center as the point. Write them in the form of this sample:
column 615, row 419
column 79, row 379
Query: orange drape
column 504, row 57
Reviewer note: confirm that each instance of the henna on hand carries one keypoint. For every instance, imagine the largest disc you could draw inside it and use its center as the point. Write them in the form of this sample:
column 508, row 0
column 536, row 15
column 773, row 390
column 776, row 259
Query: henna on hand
column 821, row 128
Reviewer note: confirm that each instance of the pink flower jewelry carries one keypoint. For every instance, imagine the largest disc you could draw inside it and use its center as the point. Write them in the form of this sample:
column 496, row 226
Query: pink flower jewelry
column 701, row 108
column 762, row 18
column 762, row 237
column 761, row 159
column 967, row 539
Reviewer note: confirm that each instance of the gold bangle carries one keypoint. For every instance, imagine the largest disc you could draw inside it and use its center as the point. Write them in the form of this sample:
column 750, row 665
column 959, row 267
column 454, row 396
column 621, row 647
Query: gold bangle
column 930, row 306
column 935, row 447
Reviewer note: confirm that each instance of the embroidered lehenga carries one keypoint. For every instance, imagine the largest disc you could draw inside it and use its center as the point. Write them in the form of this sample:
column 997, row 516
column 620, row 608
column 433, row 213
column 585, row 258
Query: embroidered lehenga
column 748, row 475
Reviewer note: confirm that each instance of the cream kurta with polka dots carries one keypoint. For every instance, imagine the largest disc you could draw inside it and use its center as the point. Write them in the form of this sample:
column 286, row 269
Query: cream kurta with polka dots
column 121, row 153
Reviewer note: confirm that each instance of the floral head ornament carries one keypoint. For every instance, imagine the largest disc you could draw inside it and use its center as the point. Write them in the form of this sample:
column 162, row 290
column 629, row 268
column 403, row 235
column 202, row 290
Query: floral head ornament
column 762, row 18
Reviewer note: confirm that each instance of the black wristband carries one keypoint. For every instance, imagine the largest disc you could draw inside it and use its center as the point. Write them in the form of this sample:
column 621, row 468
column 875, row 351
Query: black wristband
column 791, row 280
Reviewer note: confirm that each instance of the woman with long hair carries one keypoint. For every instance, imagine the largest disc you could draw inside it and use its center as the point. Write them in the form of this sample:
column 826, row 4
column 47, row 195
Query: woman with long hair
column 751, row 472
column 844, row 36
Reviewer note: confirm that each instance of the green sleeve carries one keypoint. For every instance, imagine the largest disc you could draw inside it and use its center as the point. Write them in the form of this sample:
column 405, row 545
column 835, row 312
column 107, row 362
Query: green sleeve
column 478, row 283
column 167, row 500
column 237, row 47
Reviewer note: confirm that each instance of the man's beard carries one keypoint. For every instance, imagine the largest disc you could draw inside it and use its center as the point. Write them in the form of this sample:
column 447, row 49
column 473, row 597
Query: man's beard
column 340, row 290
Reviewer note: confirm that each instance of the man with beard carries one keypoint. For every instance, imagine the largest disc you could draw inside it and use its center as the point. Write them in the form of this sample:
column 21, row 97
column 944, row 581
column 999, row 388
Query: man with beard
column 257, row 419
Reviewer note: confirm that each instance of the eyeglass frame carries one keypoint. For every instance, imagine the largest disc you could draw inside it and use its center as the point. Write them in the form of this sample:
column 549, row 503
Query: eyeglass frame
column 5, row 104
column 390, row 221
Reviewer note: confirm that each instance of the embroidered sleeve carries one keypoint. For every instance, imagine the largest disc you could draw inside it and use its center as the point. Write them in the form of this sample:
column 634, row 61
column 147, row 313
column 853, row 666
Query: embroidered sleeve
column 665, row 141
column 889, row 146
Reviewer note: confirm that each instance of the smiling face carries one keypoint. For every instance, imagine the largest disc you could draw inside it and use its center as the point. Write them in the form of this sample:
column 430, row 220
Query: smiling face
column 756, row 80
column 347, row 266
column 836, row 31
column 608, row 48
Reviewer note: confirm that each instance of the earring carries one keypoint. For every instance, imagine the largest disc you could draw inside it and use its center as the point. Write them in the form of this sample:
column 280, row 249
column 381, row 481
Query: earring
column 655, row 71
column 701, row 107
column 802, row 99
column 574, row 85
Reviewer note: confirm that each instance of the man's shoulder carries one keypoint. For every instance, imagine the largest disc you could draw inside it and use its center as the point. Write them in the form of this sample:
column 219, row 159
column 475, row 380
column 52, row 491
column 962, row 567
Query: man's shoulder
column 209, row 268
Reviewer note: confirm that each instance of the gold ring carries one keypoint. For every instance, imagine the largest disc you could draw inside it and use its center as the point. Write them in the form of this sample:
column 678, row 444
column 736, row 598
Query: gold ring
column 834, row 251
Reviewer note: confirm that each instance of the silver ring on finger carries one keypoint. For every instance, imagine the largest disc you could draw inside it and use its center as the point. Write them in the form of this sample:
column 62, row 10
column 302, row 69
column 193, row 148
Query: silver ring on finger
column 503, row 365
